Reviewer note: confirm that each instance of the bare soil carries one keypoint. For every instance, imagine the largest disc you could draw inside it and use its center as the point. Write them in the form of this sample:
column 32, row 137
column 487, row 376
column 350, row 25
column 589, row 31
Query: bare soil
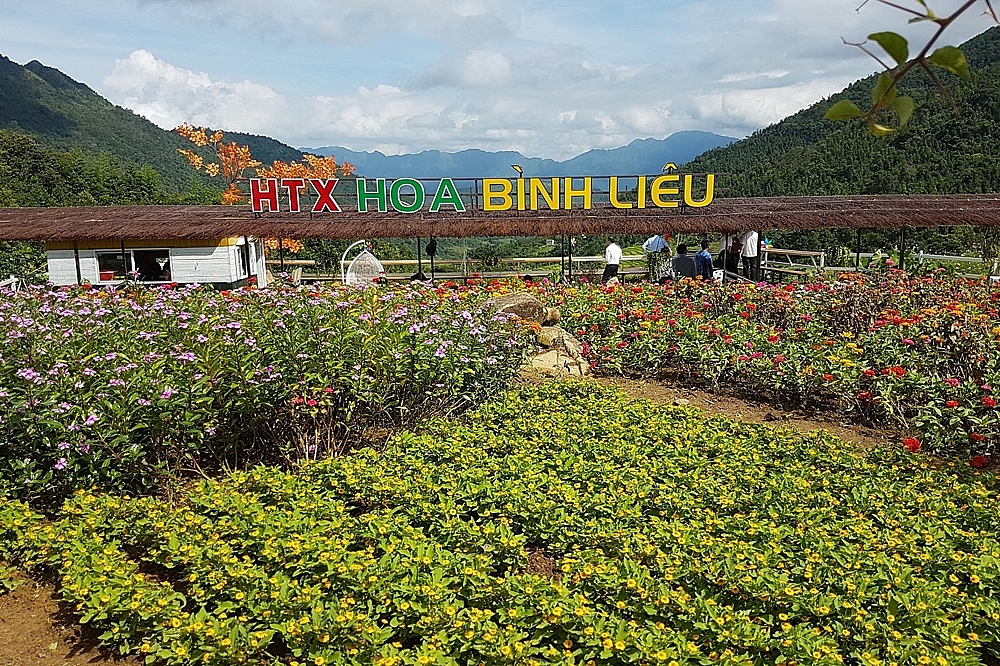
column 754, row 412
column 35, row 629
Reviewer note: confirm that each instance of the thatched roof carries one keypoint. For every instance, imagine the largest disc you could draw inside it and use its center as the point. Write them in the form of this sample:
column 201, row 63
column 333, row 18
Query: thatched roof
column 208, row 222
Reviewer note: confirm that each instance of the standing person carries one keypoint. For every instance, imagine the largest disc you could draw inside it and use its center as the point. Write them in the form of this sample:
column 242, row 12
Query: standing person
column 751, row 255
column 657, row 251
column 683, row 263
column 703, row 261
column 613, row 257
column 730, row 248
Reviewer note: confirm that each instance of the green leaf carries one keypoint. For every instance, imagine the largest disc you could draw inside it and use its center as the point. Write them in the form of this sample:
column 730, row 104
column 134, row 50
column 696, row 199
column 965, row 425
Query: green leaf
column 845, row 109
column 884, row 91
column 904, row 109
column 952, row 59
column 879, row 130
column 894, row 44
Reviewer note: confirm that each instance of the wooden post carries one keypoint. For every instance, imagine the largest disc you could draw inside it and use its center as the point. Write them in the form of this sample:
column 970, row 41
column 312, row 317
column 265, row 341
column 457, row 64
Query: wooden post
column 76, row 256
column 281, row 254
column 562, row 258
column 857, row 255
column 420, row 262
column 902, row 249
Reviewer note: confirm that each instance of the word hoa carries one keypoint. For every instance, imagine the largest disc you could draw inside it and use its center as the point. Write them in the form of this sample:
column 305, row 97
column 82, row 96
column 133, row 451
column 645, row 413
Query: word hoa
column 406, row 195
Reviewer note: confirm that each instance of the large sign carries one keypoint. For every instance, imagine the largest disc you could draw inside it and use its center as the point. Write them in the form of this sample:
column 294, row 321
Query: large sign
column 411, row 195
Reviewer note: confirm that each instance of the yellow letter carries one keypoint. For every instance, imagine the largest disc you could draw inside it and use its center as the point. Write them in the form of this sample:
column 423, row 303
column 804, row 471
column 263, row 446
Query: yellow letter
column 614, row 194
column 503, row 194
column 659, row 188
column 551, row 199
column 586, row 193
column 520, row 193
column 642, row 192
column 709, row 191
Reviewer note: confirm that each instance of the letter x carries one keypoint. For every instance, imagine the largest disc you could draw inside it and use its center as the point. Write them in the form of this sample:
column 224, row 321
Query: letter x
column 324, row 192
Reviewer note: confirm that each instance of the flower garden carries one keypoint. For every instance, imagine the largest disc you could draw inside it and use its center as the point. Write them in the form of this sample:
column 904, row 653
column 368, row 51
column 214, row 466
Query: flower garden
column 300, row 476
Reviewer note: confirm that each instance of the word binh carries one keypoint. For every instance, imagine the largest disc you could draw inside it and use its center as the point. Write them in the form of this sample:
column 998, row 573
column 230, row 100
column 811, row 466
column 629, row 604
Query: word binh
column 409, row 195
column 501, row 193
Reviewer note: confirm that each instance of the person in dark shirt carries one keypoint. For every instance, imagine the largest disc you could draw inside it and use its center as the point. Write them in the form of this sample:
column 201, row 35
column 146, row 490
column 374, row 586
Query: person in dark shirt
column 683, row 263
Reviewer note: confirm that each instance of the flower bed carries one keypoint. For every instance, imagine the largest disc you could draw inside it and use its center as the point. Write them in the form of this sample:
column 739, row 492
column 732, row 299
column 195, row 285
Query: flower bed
column 564, row 524
column 119, row 388
column 917, row 353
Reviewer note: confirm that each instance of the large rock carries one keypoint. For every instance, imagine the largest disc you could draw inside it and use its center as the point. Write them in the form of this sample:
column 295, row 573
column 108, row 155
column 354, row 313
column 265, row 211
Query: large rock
column 521, row 304
column 559, row 338
column 556, row 363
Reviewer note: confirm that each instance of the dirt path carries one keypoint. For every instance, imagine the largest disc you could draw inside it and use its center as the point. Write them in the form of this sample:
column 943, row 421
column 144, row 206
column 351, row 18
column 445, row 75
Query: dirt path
column 753, row 412
column 34, row 631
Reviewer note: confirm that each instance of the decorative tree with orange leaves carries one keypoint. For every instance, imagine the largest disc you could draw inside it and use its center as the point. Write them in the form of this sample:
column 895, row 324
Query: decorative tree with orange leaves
column 234, row 160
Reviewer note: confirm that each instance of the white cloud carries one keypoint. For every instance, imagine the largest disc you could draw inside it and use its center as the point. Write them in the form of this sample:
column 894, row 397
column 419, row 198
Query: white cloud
column 536, row 76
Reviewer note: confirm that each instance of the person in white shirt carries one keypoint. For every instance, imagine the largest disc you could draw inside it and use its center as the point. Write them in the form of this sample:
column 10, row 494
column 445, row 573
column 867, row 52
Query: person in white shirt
column 613, row 257
column 751, row 255
column 657, row 251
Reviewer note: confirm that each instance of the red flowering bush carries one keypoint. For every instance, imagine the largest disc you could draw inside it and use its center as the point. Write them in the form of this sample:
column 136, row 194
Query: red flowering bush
column 903, row 351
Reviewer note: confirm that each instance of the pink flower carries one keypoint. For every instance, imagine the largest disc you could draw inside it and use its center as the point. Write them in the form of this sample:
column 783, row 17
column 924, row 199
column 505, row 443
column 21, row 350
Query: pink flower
column 167, row 393
column 907, row 341
column 952, row 381
column 61, row 463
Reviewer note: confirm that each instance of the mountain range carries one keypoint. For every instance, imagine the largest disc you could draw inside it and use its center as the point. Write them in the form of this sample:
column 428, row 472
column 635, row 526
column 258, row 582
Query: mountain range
column 642, row 156
column 804, row 154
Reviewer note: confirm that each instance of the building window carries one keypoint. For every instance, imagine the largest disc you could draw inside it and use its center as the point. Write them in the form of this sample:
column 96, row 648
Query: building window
column 111, row 266
column 152, row 265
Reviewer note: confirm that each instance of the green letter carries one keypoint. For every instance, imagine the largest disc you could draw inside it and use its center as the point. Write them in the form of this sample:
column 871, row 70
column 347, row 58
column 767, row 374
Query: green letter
column 447, row 195
column 364, row 196
column 418, row 195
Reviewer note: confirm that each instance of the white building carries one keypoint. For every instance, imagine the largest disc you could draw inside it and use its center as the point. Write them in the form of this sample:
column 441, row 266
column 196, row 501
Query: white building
column 228, row 262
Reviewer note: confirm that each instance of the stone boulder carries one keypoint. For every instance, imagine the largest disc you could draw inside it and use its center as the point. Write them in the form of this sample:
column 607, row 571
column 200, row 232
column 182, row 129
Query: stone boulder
column 521, row 304
column 559, row 338
column 551, row 317
column 555, row 363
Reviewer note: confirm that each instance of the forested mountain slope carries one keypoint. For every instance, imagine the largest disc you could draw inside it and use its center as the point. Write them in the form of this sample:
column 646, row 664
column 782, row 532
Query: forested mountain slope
column 64, row 114
column 940, row 152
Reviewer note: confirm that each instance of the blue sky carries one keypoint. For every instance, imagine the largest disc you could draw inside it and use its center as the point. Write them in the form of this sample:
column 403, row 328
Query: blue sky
column 551, row 78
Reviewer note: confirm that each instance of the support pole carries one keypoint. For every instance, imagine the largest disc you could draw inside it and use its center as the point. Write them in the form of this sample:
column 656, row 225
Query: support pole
column 420, row 262
column 281, row 254
column 902, row 249
column 571, row 258
column 562, row 258
column 857, row 254
column 124, row 260
column 76, row 256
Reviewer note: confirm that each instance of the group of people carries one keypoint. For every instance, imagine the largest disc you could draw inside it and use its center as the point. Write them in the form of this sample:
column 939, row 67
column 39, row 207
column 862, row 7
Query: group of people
column 734, row 250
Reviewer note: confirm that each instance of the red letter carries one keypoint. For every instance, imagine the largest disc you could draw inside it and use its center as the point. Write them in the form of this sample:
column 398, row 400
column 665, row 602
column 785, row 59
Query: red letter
column 293, row 185
column 324, row 190
column 259, row 197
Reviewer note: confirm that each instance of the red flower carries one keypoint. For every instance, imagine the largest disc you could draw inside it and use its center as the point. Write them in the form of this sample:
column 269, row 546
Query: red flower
column 951, row 404
column 976, row 437
column 990, row 401
column 865, row 395
column 897, row 370
column 980, row 462
column 311, row 402
column 828, row 378
column 912, row 444
column 328, row 390
column 869, row 373
column 622, row 345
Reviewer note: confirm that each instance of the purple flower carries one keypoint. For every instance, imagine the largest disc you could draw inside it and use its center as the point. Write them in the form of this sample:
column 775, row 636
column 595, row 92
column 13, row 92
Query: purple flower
column 167, row 393
column 63, row 446
column 440, row 353
column 91, row 420
column 61, row 463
